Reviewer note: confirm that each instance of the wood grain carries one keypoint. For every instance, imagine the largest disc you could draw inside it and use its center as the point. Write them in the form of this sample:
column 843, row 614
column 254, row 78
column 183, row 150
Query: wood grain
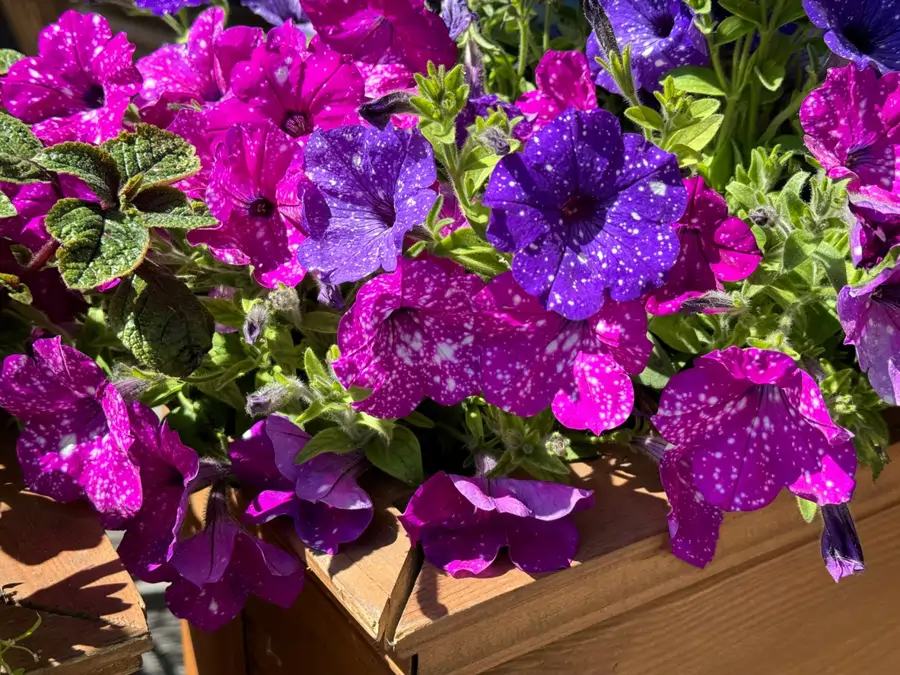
column 27, row 18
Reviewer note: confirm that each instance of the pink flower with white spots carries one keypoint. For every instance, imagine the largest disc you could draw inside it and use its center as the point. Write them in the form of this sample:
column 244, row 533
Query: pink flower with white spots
column 852, row 125
column 411, row 334
column 533, row 357
column 79, row 85
column 713, row 247
column 563, row 81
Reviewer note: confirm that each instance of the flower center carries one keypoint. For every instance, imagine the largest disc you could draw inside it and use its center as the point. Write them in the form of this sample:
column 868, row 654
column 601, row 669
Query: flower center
column 94, row 97
column 386, row 213
column 261, row 208
column 860, row 37
column 663, row 24
column 578, row 207
column 297, row 124
column 887, row 295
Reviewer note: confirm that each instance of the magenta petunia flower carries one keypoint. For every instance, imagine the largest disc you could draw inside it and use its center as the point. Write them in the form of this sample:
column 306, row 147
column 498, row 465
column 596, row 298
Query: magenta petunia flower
column 533, row 357
column 852, row 125
column 870, row 316
column 563, row 81
column 384, row 31
column 410, row 334
column 168, row 471
column 79, row 85
column 243, row 195
column 586, row 209
column 193, row 126
column 214, row 572
column 462, row 523
column 327, row 505
column 199, row 70
column 370, row 189
column 872, row 235
column 76, row 430
column 32, row 202
column 713, row 248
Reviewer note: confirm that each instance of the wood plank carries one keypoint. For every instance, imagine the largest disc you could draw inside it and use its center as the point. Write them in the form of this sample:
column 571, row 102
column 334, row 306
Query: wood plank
column 470, row 625
column 782, row 616
column 27, row 18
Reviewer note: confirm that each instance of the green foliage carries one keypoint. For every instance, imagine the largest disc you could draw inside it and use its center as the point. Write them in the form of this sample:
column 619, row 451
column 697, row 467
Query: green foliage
column 7, row 58
column 808, row 509
column 333, row 439
column 169, row 208
column 153, row 156
column 93, row 165
column 696, row 80
column 15, row 289
column 8, row 644
column 7, row 208
column 400, row 456
column 18, row 147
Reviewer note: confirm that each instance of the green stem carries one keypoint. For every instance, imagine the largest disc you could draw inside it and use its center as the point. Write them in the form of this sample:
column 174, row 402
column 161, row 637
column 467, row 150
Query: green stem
column 524, row 38
column 546, row 42
column 786, row 113
column 174, row 24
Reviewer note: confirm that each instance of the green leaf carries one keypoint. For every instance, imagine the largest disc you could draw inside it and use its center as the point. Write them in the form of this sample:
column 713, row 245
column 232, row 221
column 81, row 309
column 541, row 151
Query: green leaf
column 402, row 458
column 659, row 368
column 18, row 146
column 797, row 249
column 470, row 250
column 646, row 118
column 771, row 74
column 704, row 107
column 808, row 509
column 384, row 428
column 321, row 322
column 697, row 135
column 417, row 419
column 163, row 324
column 731, row 29
column 696, row 80
column 223, row 311
column 95, row 246
column 834, row 263
column 7, row 58
column 313, row 367
column 91, row 164
column 160, row 156
column 7, row 208
column 681, row 333
column 16, row 289
column 746, row 9
column 169, row 208
column 333, row 439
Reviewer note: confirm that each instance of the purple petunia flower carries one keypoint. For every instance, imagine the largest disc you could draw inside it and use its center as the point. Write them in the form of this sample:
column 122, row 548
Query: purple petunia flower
column 370, row 189
column 662, row 35
column 160, row 7
column 863, row 31
column 199, row 70
column 563, row 81
column 328, row 506
column 872, row 235
column 745, row 423
column 168, row 470
column 852, row 125
column 79, row 85
column 533, row 357
column 457, row 15
column 462, row 523
column 410, row 334
column 713, row 247
column 277, row 12
column 32, row 202
column 76, row 429
column 870, row 316
column 586, row 209
column 483, row 106
column 243, row 195
column 215, row 571
column 841, row 549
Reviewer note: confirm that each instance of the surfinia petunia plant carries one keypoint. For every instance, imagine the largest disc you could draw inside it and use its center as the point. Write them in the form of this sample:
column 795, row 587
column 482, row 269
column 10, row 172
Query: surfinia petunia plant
column 456, row 245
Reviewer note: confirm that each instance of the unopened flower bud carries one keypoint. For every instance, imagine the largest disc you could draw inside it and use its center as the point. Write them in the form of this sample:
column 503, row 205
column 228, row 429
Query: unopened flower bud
column 764, row 216
column 255, row 322
column 330, row 296
column 557, row 444
column 493, row 138
column 484, row 463
column 708, row 303
column 841, row 549
column 272, row 397
column 378, row 112
column 596, row 16
column 651, row 445
column 286, row 302
column 473, row 63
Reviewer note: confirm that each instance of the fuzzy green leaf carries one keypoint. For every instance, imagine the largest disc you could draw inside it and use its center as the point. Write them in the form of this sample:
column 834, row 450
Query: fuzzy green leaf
column 798, row 248
column 333, row 439
column 770, row 74
column 7, row 58
column 704, row 107
column 321, row 322
column 91, row 164
column 646, row 118
column 696, row 80
column 681, row 333
column 313, row 366
column 224, row 311
column 96, row 246
column 160, row 156
column 17, row 147
column 732, row 28
column 7, row 208
column 15, row 288
column 163, row 324
column 170, row 208
column 697, row 135
column 402, row 458
column 746, row 9
column 808, row 509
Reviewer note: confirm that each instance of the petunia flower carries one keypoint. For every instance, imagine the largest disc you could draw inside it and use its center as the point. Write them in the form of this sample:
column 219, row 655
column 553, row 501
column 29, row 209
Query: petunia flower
column 243, row 195
column 168, row 471
column 277, row 12
column 841, row 549
column 383, row 31
column 484, row 106
column 870, row 316
column 76, row 430
column 199, row 70
column 370, row 189
column 713, row 247
column 79, row 85
column 462, row 523
column 852, row 125
column 410, row 334
column 662, row 35
column 533, row 357
column 32, row 202
column 219, row 568
column 865, row 32
column 586, row 209
column 327, row 505
column 193, row 126
column 160, row 7
column 563, row 80
column 457, row 15
column 872, row 235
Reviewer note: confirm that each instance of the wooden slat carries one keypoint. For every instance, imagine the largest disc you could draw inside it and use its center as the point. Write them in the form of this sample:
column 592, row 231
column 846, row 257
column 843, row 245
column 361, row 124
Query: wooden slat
column 27, row 18
column 470, row 625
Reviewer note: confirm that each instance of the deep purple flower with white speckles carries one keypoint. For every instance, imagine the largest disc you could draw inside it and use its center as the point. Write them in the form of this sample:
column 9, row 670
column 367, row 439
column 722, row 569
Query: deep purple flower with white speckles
column 79, row 85
column 532, row 357
column 457, row 15
column 872, row 235
column 756, row 423
column 852, row 125
column 841, row 549
column 462, row 523
column 586, row 209
column 199, row 70
column 484, row 106
column 76, row 429
column 243, row 195
column 168, row 468
column 370, row 189
column 563, row 80
column 214, row 572
column 662, row 35
column 713, row 248
column 870, row 316
column 321, row 495
column 863, row 31
column 411, row 334
column 161, row 7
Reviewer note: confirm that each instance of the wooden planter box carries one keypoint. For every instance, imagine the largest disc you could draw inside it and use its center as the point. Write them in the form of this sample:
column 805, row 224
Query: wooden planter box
column 765, row 606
